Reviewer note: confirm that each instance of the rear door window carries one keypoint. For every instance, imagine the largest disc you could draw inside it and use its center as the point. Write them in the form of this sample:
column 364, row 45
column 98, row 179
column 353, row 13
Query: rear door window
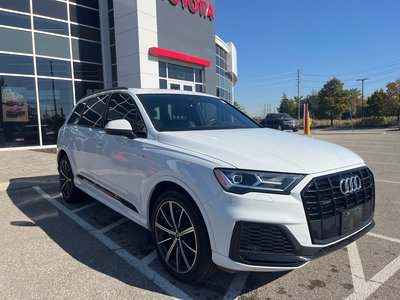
column 92, row 115
column 74, row 119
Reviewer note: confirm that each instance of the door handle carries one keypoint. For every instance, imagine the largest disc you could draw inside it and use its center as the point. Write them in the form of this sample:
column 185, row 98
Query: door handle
column 99, row 146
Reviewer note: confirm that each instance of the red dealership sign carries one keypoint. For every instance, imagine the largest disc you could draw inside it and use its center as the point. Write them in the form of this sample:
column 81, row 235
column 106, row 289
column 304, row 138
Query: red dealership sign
column 201, row 7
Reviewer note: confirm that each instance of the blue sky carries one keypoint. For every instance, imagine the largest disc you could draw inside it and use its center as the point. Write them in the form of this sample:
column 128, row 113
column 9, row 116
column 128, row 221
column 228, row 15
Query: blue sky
column 350, row 39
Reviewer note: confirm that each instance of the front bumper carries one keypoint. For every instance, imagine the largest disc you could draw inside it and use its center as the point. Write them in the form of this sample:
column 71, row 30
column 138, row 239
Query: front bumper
column 281, row 218
column 295, row 255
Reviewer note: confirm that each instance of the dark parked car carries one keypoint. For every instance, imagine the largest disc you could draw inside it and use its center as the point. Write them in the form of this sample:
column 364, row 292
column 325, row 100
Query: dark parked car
column 280, row 121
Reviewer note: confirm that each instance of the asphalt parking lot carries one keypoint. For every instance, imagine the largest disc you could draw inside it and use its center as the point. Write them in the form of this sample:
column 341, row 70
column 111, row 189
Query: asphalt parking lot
column 50, row 249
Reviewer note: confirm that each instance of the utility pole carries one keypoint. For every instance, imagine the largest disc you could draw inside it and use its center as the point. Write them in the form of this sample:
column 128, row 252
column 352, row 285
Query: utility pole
column 298, row 94
column 362, row 99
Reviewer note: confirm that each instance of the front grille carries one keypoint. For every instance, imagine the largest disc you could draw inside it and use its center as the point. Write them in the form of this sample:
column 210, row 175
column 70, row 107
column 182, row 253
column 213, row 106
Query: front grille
column 324, row 203
column 265, row 238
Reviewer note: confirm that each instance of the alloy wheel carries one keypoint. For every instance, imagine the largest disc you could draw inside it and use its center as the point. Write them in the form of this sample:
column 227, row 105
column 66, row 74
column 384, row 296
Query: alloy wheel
column 176, row 237
column 65, row 177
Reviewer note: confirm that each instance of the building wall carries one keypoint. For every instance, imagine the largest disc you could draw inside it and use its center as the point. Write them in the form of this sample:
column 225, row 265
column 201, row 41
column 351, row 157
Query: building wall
column 180, row 30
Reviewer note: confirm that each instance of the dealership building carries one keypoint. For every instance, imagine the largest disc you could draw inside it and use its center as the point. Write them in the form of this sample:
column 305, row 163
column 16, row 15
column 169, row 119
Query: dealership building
column 53, row 52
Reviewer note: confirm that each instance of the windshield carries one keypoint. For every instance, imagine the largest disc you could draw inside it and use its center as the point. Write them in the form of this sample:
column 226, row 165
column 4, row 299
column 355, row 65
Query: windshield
column 176, row 112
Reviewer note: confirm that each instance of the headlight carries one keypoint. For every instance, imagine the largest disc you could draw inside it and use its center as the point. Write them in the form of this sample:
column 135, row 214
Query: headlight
column 241, row 182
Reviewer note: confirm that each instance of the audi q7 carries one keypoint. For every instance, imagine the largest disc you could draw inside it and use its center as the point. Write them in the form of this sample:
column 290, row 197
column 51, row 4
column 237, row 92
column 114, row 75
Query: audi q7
column 213, row 187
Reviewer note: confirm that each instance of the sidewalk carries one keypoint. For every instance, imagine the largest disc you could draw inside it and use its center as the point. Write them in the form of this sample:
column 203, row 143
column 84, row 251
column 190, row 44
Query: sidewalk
column 20, row 164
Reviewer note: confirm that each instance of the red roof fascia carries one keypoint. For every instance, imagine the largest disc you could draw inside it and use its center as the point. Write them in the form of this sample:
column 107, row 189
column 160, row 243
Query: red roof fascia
column 179, row 56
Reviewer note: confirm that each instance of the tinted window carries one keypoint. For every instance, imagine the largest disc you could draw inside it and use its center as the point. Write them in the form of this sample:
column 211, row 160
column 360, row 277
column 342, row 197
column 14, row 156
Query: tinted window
column 111, row 18
column 180, row 72
column 50, row 8
column 83, row 88
column 15, row 20
column 162, row 69
column 170, row 112
column 110, row 4
column 50, row 26
column 90, row 3
column 92, row 115
column 53, row 67
column 114, row 73
column 199, row 75
column 77, row 113
column 20, row 5
column 88, row 71
column 199, row 88
column 17, row 40
column 17, row 64
column 86, row 51
column 85, row 32
column 56, row 102
column 50, row 45
column 163, row 84
column 112, row 37
column 122, row 106
column 84, row 16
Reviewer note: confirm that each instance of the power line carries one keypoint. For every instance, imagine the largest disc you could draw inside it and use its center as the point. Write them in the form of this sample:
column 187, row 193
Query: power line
column 383, row 66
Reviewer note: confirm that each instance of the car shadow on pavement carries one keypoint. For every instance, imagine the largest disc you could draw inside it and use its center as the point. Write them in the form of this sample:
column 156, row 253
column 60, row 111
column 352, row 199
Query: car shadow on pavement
column 88, row 250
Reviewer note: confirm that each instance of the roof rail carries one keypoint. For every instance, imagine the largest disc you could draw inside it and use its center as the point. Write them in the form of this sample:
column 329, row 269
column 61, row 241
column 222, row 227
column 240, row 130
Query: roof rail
column 105, row 90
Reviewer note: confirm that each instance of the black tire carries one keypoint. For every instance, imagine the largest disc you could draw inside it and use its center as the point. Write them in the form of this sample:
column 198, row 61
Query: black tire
column 295, row 130
column 280, row 127
column 69, row 191
column 187, row 257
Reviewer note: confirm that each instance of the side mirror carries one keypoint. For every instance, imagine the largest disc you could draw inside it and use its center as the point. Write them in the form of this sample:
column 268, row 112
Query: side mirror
column 120, row 127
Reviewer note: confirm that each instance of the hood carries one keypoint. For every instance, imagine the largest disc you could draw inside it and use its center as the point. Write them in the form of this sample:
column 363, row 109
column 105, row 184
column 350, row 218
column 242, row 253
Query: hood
column 264, row 150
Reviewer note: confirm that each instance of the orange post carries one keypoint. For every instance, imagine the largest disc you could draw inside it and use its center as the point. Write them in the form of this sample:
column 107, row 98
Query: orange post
column 306, row 120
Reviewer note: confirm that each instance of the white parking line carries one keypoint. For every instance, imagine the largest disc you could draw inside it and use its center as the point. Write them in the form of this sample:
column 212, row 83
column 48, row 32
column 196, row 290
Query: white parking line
column 152, row 275
column 113, row 225
column 369, row 287
column 357, row 271
column 362, row 288
column 236, row 286
column 84, row 207
column 4, row 186
column 386, row 181
column 149, row 258
column 384, row 237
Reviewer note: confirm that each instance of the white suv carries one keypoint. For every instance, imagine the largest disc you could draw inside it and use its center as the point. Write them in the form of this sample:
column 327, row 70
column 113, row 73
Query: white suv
column 214, row 188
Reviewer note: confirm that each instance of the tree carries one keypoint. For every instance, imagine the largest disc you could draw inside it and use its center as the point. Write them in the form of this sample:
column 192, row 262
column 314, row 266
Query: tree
column 332, row 100
column 393, row 103
column 354, row 101
column 287, row 106
column 312, row 100
column 376, row 104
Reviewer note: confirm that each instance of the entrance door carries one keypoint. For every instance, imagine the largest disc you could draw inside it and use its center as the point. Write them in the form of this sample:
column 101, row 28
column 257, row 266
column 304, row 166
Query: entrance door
column 180, row 85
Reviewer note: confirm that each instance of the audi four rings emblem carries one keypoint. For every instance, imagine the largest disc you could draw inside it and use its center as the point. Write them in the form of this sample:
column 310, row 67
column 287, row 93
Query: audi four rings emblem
column 350, row 185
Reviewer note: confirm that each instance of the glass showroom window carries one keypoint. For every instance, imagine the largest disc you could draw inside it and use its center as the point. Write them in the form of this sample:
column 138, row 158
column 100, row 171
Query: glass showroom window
column 55, row 38
column 224, row 82
column 56, row 102
column 18, row 112
column 173, row 76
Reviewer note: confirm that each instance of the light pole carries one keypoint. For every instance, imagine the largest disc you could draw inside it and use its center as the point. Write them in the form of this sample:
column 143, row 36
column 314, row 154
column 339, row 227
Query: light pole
column 362, row 99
